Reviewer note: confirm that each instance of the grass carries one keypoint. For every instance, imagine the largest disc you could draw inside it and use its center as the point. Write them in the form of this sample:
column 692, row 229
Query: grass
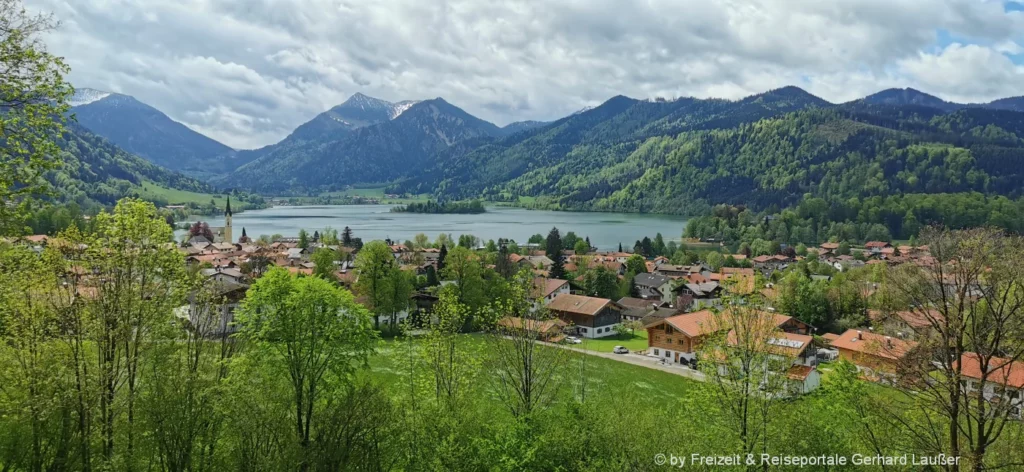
column 609, row 379
column 154, row 191
column 634, row 342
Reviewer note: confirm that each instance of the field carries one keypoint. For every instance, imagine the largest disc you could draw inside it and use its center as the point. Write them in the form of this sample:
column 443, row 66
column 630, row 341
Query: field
column 153, row 191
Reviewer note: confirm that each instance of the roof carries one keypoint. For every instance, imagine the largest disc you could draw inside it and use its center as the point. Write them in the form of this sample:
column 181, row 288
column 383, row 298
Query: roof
column 650, row 280
column 832, row 337
column 874, row 344
column 1000, row 370
column 830, row 246
column 878, row 244
column 914, row 319
column 799, row 372
column 546, row 286
column 568, row 303
column 532, row 325
column 698, row 323
column 636, row 302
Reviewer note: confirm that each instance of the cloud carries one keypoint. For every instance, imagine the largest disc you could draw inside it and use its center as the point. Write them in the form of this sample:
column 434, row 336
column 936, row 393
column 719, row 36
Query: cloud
column 247, row 73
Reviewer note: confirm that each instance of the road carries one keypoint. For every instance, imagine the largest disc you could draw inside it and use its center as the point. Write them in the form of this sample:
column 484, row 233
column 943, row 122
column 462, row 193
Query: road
column 642, row 361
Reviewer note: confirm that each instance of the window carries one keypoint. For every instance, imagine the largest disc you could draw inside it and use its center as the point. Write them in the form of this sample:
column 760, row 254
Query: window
column 669, row 340
column 583, row 329
column 656, row 353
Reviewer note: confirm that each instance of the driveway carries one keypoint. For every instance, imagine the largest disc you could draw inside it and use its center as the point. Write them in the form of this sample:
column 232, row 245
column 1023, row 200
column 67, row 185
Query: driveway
column 642, row 361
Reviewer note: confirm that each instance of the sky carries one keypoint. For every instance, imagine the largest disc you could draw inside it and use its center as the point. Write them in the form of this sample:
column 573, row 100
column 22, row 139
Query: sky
column 247, row 72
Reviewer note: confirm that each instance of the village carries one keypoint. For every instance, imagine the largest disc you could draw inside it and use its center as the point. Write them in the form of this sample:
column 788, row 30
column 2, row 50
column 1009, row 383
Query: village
column 678, row 307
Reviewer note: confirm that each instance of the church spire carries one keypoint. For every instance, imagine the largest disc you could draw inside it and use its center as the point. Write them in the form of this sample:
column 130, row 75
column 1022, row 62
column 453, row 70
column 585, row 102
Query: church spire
column 227, row 211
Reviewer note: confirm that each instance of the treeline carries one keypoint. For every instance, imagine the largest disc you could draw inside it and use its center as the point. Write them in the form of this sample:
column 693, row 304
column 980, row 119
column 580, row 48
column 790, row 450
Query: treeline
column 815, row 220
column 463, row 207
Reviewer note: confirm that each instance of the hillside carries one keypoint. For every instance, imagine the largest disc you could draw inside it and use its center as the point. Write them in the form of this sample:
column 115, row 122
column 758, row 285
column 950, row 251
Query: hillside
column 685, row 155
column 97, row 171
column 379, row 152
column 148, row 133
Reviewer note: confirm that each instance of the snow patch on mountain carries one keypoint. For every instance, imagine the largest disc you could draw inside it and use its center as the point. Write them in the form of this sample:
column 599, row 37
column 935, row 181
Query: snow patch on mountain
column 400, row 107
column 85, row 96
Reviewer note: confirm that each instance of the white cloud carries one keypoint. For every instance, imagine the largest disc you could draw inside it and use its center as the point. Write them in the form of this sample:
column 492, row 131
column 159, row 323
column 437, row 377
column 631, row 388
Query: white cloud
column 248, row 72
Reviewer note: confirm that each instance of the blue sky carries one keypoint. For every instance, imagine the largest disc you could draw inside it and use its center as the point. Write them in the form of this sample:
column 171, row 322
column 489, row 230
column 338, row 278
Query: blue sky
column 247, row 73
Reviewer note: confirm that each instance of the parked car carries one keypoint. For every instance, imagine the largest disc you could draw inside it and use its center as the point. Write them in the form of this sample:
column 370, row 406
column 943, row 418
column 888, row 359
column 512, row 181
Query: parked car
column 572, row 340
column 620, row 350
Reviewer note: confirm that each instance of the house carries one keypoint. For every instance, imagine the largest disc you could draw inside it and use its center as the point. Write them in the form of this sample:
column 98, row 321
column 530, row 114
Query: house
column 905, row 324
column 877, row 356
column 1003, row 380
column 588, row 316
column 653, row 287
column 225, row 275
column 548, row 330
column 828, row 248
column 674, row 271
column 539, row 261
column 796, row 356
column 676, row 339
column 845, row 263
column 692, row 296
column 546, row 289
column 214, row 320
column 876, row 247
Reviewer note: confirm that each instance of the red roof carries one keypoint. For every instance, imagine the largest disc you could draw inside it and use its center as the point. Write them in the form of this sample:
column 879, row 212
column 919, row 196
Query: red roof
column 874, row 344
column 1000, row 371
column 799, row 372
column 878, row 244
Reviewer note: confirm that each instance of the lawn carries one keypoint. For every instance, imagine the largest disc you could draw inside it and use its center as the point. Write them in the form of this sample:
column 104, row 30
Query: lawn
column 609, row 378
column 634, row 342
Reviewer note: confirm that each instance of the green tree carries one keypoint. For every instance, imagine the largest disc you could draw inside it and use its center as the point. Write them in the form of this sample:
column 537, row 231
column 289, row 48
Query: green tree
column 375, row 264
column 303, row 239
column 601, row 282
column 324, row 259
column 581, row 247
column 33, row 102
column 400, row 288
column 714, row 260
column 463, row 267
column 315, row 334
column 635, row 264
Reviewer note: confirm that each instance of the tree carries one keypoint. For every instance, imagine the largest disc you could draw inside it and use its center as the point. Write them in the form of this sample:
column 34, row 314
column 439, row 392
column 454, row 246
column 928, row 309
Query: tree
column 746, row 376
column 432, row 277
column 400, row 288
column 553, row 247
column 375, row 264
column 714, row 260
column 324, row 259
column 446, row 353
column 526, row 373
column 303, row 239
column 536, row 239
column 463, row 267
column 346, row 237
column 581, row 247
column 421, row 241
column 33, row 103
column 441, row 256
column 200, row 228
column 313, row 332
column 636, row 264
column 971, row 296
column 658, row 246
column 569, row 241
column 503, row 263
column 843, row 249
column 601, row 282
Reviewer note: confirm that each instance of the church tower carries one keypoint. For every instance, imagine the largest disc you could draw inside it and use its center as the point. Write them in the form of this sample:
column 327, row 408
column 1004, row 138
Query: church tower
column 227, row 223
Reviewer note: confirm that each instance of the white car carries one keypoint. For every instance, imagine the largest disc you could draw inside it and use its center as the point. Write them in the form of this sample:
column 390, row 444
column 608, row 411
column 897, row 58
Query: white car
column 620, row 350
column 573, row 340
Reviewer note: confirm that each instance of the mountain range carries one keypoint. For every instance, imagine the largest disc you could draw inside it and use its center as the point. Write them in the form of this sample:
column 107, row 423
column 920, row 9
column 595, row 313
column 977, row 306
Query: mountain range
column 625, row 154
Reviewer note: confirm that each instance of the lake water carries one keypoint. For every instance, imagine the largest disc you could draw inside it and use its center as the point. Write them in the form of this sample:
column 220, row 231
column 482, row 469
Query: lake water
column 370, row 222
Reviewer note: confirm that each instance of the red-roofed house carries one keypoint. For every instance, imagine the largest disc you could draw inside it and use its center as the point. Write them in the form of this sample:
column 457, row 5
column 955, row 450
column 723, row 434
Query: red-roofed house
column 589, row 316
column 1003, row 379
column 875, row 355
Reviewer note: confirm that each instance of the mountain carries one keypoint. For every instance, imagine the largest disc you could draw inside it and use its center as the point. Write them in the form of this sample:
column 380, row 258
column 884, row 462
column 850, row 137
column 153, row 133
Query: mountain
column 374, row 152
column 909, row 96
column 1012, row 104
column 95, row 171
column 596, row 138
column 518, row 126
column 147, row 132
column 357, row 112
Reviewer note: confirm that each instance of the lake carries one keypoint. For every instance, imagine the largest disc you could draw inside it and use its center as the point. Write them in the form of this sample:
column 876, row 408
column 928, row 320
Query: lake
column 370, row 222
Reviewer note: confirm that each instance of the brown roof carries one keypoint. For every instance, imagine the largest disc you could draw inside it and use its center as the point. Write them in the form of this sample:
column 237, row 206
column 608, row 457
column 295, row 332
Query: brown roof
column 799, row 372
column 785, row 344
column 698, row 323
column 1001, row 371
column 878, row 244
column 832, row 337
column 830, row 246
column 874, row 344
column 532, row 325
column 914, row 319
column 545, row 286
column 569, row 303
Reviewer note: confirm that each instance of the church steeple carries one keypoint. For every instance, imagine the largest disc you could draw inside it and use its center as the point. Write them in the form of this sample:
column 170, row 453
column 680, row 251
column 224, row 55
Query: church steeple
column 227, row 223
column 227, row 211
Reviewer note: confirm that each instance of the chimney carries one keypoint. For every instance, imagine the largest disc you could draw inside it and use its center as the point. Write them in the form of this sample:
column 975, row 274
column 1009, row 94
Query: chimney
column 888, row 341
column 860, row 335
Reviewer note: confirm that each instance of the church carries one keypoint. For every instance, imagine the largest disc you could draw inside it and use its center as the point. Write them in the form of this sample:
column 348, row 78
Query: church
column 222, row 234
